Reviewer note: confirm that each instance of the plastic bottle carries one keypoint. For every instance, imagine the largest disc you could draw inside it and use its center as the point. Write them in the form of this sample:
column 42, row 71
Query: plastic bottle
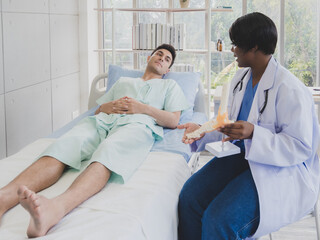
column 218, row 44
column 221, row 46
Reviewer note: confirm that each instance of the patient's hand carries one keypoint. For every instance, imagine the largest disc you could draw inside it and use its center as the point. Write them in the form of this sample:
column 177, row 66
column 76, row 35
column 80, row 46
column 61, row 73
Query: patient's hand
column 125, row 105
column 132, row 106
column 189, row 127
column 107, row 108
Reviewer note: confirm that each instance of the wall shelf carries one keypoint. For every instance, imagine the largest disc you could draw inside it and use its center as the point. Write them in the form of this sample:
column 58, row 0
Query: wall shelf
column 173, row 10
column 207, row 50
column 199, row 51
column 128, row 50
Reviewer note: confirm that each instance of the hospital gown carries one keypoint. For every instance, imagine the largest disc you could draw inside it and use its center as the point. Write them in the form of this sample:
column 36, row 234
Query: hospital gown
column 118, row 141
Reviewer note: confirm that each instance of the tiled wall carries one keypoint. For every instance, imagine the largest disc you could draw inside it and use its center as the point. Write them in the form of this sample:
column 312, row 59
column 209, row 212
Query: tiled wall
column 39, row 69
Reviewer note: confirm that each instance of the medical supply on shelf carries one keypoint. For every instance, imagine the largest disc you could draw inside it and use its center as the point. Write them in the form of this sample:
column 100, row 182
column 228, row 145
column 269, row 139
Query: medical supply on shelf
column 219, row 45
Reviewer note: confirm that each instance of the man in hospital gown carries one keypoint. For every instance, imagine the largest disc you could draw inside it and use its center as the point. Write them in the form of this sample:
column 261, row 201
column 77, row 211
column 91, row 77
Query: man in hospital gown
column 116, row 140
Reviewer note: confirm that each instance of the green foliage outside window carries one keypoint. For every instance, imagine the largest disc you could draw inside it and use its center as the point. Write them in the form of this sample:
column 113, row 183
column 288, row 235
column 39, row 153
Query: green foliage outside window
column 300, row 41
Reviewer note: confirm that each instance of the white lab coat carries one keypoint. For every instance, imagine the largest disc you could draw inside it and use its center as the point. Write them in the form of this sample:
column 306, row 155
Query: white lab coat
column 282, row 152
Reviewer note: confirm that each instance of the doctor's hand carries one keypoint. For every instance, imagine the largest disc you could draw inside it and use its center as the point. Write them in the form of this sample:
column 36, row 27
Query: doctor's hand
column 189, row 127
column 237, row 130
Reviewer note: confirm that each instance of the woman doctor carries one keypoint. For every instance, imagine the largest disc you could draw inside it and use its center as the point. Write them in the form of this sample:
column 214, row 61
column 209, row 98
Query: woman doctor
column 274, row 181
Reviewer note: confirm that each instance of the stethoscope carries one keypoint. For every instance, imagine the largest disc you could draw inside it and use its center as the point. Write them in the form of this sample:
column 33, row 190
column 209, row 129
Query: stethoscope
column 240, row 84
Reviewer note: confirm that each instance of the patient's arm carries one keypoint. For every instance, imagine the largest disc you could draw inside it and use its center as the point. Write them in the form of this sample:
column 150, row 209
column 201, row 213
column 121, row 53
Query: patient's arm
column 113, row 107
column 162, row 117
column 127, row 105
column 106, row 108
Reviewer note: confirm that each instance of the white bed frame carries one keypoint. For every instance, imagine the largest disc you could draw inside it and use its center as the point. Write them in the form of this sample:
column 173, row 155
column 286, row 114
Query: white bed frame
column 145, row 208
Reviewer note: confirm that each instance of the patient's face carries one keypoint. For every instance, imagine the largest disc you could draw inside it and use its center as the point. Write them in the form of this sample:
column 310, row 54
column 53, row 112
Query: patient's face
column 160, row 61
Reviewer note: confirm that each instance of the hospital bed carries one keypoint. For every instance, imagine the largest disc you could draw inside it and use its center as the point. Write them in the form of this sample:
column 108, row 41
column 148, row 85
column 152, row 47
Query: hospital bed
column 143, row 208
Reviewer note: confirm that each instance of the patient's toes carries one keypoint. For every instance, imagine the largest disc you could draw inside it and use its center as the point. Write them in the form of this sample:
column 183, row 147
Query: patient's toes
column 23, row 192
column 35, row 200
column 28, row 199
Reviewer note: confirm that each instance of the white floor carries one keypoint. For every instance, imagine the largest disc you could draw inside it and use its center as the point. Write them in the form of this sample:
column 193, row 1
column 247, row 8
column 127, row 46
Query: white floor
column 302, row 230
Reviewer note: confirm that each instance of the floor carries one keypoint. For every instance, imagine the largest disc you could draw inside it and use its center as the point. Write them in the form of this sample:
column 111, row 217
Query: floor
column 302, row 230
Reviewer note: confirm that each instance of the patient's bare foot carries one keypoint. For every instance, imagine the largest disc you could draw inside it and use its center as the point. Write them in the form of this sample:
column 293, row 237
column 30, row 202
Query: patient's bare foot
column 43, row 212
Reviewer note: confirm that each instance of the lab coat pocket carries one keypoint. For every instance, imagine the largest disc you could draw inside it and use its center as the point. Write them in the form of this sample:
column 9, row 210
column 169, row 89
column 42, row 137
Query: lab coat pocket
column 305, row 176
column 288, row 200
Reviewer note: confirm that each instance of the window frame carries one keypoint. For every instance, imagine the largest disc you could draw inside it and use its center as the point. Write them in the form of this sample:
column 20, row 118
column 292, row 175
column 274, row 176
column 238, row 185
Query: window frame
column 244, row 11
column 282, row 34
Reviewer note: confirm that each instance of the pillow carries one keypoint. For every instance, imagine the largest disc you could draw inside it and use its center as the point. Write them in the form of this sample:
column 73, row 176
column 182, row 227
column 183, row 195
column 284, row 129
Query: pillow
column 188, row 81
column 115, row 72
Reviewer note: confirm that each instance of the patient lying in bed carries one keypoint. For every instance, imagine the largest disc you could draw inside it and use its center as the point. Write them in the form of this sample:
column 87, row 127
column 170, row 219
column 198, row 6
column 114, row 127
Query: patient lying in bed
column 116, row 140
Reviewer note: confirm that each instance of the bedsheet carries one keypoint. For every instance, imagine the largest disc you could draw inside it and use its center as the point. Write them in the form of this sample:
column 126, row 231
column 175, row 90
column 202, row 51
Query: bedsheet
column 143, row 208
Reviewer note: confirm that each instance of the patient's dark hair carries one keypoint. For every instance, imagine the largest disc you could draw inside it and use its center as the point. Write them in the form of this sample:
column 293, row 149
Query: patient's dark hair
column 169, row 48
column 254, row 29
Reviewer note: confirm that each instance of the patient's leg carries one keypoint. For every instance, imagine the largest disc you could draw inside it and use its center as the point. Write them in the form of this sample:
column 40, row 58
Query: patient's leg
column 45, row 213
column 40, row 175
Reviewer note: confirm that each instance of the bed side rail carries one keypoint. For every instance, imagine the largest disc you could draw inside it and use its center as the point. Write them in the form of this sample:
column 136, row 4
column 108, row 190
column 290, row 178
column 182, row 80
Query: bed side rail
column 96, row 91
column 194, row 162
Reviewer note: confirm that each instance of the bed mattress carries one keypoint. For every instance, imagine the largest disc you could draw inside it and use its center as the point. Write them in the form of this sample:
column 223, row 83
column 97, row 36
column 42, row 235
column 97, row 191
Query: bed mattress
column 143, row 208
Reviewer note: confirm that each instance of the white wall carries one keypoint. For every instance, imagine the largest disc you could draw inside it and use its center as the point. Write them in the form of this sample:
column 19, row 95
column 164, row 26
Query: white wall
column 28, row 115
column 64, row 45
column 26, row 49
column 39, row 82
column 88, row 42
column 3, row 144
column 63, row 88
column 1, row 57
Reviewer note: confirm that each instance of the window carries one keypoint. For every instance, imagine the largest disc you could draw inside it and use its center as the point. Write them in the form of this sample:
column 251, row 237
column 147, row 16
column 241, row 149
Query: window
column 299, row 36
column 300, row 40
column 296, row 21
column 223, row 65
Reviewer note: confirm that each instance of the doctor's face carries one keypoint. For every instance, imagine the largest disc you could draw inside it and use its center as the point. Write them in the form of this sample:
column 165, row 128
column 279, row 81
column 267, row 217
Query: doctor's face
column 242, row 57
column 160, row 61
